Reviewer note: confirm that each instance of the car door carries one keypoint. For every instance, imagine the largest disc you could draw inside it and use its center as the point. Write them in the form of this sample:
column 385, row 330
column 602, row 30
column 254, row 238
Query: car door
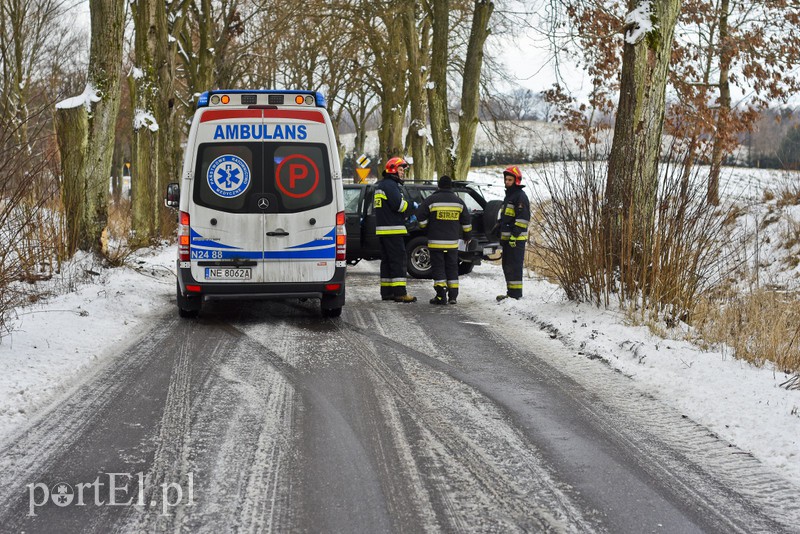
column 370, row 245
column 354, row 218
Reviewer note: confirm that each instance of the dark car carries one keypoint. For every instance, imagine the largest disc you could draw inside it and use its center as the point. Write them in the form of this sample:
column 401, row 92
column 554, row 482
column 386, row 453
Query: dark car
column 362, row 243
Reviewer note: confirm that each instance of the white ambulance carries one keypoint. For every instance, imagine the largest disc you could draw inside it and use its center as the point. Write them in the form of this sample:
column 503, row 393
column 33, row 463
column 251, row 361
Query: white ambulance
column 261, row 202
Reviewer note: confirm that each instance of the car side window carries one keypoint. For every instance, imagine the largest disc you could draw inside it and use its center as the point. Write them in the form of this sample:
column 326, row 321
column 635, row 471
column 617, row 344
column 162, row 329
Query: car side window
column 415, row 194
column 352, row 199
column 472, row 204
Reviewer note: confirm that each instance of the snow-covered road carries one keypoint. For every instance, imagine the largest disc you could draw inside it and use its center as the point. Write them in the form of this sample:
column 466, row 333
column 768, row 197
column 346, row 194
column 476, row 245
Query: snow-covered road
column 265, row 417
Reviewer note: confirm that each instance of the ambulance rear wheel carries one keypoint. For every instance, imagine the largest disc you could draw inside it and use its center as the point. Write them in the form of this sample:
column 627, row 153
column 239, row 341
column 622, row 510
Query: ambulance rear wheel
column 188, row 307
column 331, row 312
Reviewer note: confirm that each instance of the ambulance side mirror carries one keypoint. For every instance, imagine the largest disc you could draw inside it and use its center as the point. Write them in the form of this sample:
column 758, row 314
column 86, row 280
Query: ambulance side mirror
column 173, row 196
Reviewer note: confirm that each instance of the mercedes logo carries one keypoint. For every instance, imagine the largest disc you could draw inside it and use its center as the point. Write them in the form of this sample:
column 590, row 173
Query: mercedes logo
column 263, row 203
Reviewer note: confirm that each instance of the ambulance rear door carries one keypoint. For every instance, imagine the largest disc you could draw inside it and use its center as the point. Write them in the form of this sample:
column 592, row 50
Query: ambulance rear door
column 227, row 230
column 300, row 220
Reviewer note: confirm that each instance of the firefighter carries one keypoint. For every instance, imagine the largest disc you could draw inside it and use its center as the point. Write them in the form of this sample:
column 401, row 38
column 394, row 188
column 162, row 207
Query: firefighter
column 515, row 215
column 445, row 216
column 390, row 207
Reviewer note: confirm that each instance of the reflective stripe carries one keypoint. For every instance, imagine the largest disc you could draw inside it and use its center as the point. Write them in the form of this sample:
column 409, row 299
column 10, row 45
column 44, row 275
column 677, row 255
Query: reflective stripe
column 514, row 285
column 452, row 284
column 506, row 236
column 391, row 230
column 454, row 206
column 403, row 206
column 423, row 224
column 466, row 227
column 395, row 282
column 439, row 283
column 433, row 243
column 522, row 223
column 510, row 211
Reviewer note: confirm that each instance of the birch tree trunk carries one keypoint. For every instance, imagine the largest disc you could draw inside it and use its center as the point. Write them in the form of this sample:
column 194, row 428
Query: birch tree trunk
column 470, row 89
column 632, row 179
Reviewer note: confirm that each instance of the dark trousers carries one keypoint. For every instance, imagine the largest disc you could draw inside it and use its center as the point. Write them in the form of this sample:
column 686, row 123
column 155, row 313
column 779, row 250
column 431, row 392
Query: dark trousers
column 393, row 266
column 513, row 258
column 444, row 264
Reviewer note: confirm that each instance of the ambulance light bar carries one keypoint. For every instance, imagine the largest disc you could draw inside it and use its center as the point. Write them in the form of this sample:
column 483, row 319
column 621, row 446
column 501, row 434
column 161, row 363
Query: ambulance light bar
column 259, row 97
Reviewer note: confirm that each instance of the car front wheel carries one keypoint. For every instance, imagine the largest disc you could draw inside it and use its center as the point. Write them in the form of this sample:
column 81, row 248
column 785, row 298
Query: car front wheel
column 418, row 258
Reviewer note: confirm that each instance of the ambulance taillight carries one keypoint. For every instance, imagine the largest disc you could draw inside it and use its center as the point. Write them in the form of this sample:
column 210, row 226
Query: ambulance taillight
column 184, row 252
column 341, row 237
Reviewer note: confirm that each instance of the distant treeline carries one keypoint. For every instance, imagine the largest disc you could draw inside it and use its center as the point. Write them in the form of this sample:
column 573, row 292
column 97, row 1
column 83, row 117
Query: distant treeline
column 480, row 158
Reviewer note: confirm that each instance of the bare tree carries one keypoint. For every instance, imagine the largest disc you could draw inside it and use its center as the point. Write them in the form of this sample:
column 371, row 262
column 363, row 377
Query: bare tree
column 90, row 137
column 468, row 118
column 633, row 164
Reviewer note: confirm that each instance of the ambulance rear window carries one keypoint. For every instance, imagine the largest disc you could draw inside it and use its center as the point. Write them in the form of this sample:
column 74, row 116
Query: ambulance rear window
column 240, row 177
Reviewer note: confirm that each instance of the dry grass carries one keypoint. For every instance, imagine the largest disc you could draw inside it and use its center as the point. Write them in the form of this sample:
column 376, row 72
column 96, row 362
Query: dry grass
column 685, row 273
column 116, row 249
column 760, row 326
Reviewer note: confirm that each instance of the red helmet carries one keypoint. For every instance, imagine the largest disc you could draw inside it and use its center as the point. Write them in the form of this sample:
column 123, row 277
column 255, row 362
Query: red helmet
column 515, row 172
column 395, row 163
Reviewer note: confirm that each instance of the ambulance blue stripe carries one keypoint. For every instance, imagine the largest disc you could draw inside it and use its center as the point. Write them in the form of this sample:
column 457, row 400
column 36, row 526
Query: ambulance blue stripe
column 321, row 254
column 320, row 249
column 315, row 254
column 198, row 241
column 326, row 241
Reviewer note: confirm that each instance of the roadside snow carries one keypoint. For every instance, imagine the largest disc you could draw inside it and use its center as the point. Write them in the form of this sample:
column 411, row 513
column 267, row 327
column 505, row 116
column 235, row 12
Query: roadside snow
column 57, row 341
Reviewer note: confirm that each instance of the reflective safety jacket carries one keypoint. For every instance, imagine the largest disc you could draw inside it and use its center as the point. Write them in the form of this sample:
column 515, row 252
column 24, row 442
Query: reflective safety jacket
column 389, row 207
column 445, row 216
column 515, row 215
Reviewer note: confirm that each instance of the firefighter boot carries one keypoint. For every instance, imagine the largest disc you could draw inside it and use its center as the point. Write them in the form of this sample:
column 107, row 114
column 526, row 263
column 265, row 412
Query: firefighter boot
column 452, row 295
column 441, row 296
column 405, row 298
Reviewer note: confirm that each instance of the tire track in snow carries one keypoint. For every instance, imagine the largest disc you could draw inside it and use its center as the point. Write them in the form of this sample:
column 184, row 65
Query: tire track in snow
column 736, row 492
column 458, row 456
column 231, row 432
column 37, row 450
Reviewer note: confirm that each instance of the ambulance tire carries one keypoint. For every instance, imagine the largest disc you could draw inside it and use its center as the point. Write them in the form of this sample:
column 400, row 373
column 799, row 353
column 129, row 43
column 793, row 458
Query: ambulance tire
column 331, row 305
column 188, row 307
column 331, row 312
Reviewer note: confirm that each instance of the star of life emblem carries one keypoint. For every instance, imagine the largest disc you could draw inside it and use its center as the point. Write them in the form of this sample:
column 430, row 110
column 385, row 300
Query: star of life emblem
column 228, row 176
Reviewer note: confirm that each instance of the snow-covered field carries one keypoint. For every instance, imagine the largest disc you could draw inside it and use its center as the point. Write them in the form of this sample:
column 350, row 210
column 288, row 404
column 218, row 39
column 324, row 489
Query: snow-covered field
column 58, row 341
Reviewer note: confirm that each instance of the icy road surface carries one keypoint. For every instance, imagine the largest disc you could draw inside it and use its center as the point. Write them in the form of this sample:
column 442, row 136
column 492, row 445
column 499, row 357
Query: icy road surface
column 265, row 417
